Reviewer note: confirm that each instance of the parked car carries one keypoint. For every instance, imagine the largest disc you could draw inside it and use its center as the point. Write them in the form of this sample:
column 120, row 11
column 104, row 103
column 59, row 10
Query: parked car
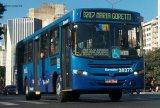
column 10, row 89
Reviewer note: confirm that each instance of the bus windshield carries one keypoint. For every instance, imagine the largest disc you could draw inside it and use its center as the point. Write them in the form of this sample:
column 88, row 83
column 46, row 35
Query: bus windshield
column 106, row 41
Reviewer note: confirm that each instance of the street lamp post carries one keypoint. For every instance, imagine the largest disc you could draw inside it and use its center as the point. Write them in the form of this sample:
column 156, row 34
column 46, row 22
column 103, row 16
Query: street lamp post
column 144, row 70
column 113, row 2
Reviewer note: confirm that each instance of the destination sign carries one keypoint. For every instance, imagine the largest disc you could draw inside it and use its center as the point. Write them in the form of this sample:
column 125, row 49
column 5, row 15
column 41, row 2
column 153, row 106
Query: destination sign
column 107, row 15
column 95, row 52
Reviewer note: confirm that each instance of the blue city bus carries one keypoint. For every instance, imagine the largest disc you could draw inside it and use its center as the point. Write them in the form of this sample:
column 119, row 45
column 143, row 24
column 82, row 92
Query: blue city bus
column 86, row 51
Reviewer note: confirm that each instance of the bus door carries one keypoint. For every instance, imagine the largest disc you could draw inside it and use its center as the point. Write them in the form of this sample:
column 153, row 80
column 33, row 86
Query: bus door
column 65, row 57
column 19, row 62
column 35, row 65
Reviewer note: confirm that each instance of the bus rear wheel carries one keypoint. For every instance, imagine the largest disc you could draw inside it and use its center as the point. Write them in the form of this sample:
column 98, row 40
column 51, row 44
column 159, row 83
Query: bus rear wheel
column 32, row 95
column 29, row 95
column 115, row 95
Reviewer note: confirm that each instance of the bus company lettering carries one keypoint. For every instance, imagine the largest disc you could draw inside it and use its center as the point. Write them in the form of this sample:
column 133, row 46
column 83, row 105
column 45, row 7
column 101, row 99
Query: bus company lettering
column 111, row 69
column 119, row 69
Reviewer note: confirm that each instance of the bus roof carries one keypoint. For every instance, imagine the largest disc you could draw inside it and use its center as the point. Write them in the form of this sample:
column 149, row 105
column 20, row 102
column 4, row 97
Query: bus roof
column 74, row 18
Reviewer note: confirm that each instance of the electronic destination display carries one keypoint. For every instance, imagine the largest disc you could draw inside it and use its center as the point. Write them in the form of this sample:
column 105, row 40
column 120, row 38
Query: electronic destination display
column 107, row 15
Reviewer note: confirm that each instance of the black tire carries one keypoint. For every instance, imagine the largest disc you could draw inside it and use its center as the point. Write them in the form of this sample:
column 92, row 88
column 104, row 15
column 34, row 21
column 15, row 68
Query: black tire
column 138, row 91
column 54, row 82
column 115, row 95
column 5, row 93
column 62, row 96
column 74, row 96
column 37, row 97
column 33, row 96
column 132, row 92
column 28, row 94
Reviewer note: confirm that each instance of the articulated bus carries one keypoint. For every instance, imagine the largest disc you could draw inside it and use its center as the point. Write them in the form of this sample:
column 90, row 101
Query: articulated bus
column 86, row 51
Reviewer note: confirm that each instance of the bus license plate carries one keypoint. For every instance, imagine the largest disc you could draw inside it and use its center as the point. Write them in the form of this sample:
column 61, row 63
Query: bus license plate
column 111, row 81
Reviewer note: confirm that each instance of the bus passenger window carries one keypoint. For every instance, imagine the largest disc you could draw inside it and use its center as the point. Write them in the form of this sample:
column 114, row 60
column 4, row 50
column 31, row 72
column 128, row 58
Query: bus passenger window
column 44, row 44
column 54, row 42
column 30, row 51
column 25, row 53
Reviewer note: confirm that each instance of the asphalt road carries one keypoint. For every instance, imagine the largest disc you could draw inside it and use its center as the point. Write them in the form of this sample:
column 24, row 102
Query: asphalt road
column 86, row 101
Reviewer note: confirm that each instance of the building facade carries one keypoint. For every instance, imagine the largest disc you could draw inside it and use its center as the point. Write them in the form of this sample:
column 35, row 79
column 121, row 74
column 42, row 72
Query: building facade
column 159, row 21
column 2, row 57
column 3, row 47
column 17, row 29
column 151, row 40
column 151, row 33
column 47, row 12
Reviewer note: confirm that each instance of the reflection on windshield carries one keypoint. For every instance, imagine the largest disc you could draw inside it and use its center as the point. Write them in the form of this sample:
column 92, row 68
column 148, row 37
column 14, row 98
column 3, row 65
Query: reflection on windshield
column 106, row 40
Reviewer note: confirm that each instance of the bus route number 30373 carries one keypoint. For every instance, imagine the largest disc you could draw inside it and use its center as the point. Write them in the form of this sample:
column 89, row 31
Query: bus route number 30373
column 125, row 70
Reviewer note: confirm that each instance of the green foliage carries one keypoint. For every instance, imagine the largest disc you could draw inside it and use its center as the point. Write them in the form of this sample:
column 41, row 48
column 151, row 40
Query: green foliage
column 1, row 32
column 2, row 71
column 2, row 77
column 2, row 9
column 152, row 65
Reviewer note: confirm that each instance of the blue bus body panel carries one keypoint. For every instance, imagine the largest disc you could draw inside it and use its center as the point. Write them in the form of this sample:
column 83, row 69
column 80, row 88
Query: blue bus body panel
column 28, row 73
column 97, row 69
column 44, row 78
column 76, row 16
column 97, row 74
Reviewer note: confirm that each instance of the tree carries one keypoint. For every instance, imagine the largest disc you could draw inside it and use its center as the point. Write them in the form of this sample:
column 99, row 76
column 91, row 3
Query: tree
column 2, row 71
column 2, row 68
column 2, row 77
column 1, row 32
column 2, row 9
column 152, row 65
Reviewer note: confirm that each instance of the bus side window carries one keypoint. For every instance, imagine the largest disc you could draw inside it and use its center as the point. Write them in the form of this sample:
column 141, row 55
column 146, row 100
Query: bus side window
column 54, row 38
column 30, row 51
column 45, row 44
column 25, row 53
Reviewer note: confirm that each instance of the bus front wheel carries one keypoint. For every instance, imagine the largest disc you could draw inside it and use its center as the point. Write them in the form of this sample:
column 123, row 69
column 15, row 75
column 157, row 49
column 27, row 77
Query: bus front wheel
column 115, row 95
column 61, row 95
column 74, row 96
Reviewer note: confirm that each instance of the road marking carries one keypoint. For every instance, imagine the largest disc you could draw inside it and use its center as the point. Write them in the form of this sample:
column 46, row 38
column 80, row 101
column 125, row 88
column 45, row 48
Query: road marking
column 8, row 103
column 33, row 102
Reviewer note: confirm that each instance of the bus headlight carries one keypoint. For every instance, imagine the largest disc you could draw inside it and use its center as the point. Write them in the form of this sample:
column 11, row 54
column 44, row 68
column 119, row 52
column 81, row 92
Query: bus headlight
column 85, row 73
column 80, row 72
column 135, row 73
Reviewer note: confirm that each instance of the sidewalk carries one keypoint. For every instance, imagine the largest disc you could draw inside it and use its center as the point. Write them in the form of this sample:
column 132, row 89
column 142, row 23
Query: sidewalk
column 149, row 92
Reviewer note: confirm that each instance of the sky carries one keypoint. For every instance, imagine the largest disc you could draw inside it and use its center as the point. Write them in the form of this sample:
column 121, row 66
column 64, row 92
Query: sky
column 19, row 8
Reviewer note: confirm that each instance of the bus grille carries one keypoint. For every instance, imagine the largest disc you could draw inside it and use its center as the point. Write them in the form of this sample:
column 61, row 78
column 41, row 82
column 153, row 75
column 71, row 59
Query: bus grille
column 100, row 74
column 109, row 65
column 113, row 75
